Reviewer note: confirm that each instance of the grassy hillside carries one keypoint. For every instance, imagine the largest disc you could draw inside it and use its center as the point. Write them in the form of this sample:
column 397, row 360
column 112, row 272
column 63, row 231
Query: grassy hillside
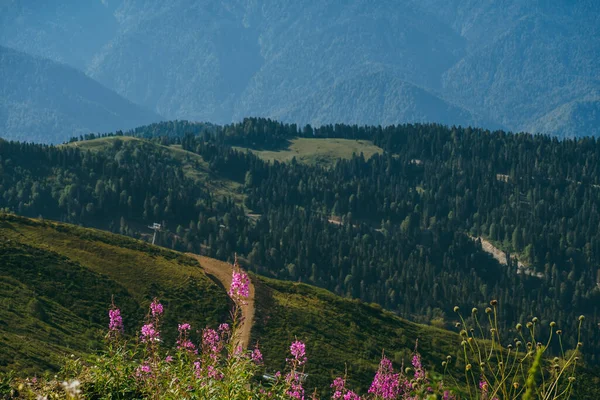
column 340, row 333
column 57, row 281
column 319, row 151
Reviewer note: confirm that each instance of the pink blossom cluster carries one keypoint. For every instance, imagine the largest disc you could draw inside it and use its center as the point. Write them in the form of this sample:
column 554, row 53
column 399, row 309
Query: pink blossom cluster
column 257, row 356
column 149, row 333
column 183, row 342
column 143, row 371
column 298, row 350
column 484, row 389
column 294, row 378
column 116, row 321
column 183, row 327
column 386, row 383
column 416, row 363
column 211, row 339
column 156, row 308
column 295, row 390
column 448, row 396
column 341, row 392
column 240, row 286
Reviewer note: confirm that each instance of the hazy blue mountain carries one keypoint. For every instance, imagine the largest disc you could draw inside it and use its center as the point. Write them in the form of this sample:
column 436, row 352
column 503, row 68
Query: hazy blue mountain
column 377, row 98
column 44, row 101
column 67, row 31
column 577, row 118
column 498, row 64
column 543, row 60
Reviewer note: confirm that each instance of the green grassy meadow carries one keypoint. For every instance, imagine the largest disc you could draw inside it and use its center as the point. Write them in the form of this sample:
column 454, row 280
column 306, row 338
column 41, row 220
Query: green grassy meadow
column 319, row 151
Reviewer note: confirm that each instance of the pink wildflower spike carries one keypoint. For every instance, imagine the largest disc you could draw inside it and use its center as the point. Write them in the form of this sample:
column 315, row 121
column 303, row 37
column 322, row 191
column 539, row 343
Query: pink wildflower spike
column 295, row 391
column 298, row 350
column 386, row 384
column 416, row 363
column 483, row 387
column 224, row 327
column 240, row 284
column 116, row 321
column 149, row 333
column 156, row 308
column 184, row 327
column 187, row 345
column 168, row 359
column 341, row 392
column 257, row 356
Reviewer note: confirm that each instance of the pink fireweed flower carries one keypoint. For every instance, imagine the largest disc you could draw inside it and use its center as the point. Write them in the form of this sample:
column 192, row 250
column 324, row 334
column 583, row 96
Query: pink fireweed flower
column 210, row 338
column 298, row 350
column 257, row 356
column 116, row 321
column 184, row 327
column 183, row 343
column 211, row 343
column 483, row 387
column 214, row 373
column 224, row 327
column 187, row 345
column 386, row 384
column 341, row 392
column 448, row 396
column 295, row 391
column 240, row 286
column 143, row 371
column 149, row 334
column 416, row 363
column 237, row 352
column 156, row 308
column 168, row 359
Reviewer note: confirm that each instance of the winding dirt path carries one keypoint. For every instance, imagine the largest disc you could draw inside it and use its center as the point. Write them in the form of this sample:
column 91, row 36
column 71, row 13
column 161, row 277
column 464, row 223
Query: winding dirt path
column 222, row 272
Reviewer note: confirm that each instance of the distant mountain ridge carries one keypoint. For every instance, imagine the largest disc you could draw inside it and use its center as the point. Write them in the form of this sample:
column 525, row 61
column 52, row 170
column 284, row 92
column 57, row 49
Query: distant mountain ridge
column 512, row 65
column 44, row 101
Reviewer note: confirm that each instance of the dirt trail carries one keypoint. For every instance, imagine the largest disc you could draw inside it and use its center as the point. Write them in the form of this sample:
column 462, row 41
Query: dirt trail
column 222, row 272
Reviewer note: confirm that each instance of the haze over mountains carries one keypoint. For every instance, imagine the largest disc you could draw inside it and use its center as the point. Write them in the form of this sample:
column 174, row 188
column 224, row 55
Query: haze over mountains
column 515, row 65
column 44, row 101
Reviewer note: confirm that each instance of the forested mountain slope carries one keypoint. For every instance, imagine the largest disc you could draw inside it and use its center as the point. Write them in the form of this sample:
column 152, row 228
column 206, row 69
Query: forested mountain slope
column 514, row 64
column 393, row 229
column 44, row 101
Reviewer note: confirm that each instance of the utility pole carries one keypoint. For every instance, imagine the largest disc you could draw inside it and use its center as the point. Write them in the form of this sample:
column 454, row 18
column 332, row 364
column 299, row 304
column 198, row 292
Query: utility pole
column 155, row 227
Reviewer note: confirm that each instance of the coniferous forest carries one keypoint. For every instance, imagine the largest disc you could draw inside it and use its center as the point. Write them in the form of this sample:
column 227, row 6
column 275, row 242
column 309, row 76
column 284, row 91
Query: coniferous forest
column 398, row 229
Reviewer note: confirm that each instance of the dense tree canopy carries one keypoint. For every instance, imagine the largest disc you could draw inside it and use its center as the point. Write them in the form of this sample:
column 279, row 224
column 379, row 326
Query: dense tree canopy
column 393, row 229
